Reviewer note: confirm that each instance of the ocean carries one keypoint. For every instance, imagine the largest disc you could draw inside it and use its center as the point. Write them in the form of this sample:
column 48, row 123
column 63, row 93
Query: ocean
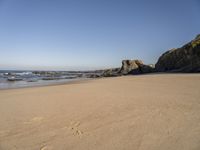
column 22, row 78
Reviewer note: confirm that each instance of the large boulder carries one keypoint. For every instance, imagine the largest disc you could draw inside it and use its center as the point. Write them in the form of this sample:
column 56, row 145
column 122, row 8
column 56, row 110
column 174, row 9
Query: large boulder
column 135, row 67
column 184, row 59
column 129, row 66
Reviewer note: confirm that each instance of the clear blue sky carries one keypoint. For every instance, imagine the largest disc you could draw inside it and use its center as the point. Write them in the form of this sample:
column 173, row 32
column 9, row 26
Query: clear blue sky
column 92, row 34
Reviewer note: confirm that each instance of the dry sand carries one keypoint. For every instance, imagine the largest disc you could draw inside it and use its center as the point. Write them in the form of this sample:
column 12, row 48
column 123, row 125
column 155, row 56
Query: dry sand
column 148, row 112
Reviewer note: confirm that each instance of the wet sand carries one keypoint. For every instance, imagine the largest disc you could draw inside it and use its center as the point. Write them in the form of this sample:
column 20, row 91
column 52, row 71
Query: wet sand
column 146, row 112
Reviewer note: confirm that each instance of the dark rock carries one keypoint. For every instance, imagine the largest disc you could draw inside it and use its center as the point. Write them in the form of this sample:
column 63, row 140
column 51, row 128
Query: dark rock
column 135, row 67
column 94, row 76
column 147, row 68
column 111, row 72
column 130, row 66
column 14, row 79
column 184, row 59
column 49, row 78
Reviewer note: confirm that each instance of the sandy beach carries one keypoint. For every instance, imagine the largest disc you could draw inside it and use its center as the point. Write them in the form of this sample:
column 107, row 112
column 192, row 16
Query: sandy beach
column 144, row 112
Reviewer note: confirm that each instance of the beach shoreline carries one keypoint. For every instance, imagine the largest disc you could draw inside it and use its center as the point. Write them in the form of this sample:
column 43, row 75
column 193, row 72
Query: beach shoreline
column 154, row 111
column 50, row 84
column 82, row 80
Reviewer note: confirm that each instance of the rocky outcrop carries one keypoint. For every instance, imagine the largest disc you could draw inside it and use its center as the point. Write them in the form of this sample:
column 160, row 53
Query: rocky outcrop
column 111, row 72
column 184, row 59
column 135, row 67
column 129, row 67
column 147, row 68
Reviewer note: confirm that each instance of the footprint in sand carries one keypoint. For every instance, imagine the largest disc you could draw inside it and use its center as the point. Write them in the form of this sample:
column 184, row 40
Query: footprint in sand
column 45, row 148
column 78, row 132
column 74, row 128
column 75, row 123
column 34, row 120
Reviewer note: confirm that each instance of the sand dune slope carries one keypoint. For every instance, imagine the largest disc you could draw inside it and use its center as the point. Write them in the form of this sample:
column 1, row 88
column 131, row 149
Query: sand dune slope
column 148, row 112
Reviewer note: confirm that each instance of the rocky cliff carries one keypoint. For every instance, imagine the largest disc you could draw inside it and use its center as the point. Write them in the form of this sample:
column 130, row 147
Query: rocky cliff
column 184, row 59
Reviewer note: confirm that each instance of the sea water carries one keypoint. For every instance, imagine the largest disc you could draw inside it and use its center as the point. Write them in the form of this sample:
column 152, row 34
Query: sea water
column 17, row 79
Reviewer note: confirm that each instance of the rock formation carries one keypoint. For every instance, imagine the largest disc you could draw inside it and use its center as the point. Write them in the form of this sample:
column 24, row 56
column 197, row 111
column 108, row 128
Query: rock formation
column 135, row 67
column 184, row 59
column 147, row 68
column 129, row 67
column 111, row 72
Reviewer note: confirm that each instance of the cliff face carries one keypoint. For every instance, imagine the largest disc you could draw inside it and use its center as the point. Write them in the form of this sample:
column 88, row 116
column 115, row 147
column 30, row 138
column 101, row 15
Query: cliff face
column 184, row 59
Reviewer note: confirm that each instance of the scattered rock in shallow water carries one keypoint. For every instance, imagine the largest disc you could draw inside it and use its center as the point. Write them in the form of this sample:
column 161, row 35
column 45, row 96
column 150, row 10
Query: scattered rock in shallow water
column 94, row 76
column 13, row 78
column 111, row 72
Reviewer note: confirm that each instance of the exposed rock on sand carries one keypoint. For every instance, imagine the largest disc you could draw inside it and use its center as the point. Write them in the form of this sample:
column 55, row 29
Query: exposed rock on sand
column 129, row 67
column 184, row 59
column 135, row 67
